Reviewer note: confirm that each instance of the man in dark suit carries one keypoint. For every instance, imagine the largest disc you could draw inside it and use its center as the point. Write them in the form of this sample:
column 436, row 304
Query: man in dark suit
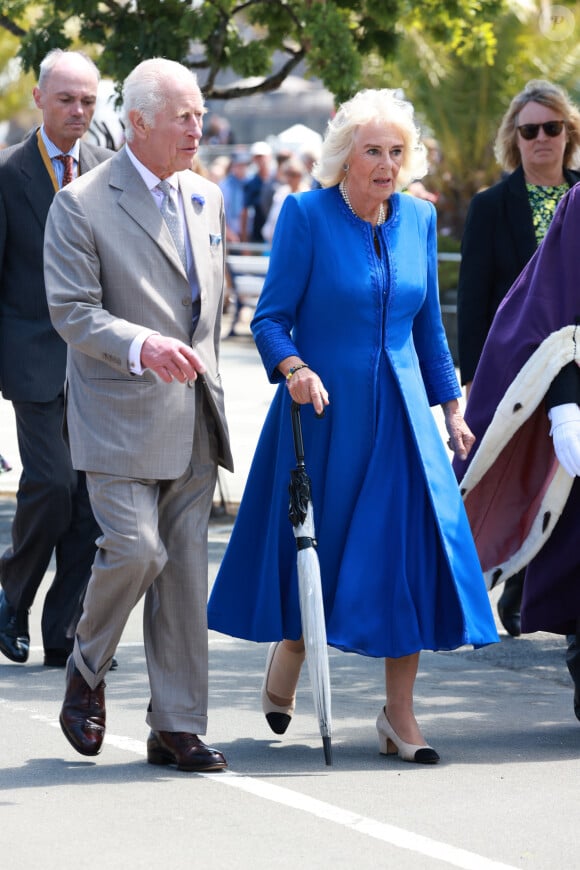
column 53, row 513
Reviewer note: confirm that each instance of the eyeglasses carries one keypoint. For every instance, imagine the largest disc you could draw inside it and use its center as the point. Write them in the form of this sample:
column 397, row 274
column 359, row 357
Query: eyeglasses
column 550, row 128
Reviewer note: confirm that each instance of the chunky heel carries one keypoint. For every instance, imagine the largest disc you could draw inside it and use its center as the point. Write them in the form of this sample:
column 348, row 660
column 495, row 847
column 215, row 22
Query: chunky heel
column 391, row 744
column 386, row 745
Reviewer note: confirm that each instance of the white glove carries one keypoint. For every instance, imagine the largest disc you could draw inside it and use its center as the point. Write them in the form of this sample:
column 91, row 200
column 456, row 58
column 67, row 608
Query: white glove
column 565, row 434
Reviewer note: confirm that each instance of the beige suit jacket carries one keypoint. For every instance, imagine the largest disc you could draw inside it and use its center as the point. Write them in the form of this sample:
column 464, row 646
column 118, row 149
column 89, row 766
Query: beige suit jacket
column 111, row 271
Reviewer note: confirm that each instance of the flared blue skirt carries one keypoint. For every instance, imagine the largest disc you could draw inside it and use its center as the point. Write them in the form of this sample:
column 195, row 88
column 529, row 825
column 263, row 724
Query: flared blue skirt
column 388, row 585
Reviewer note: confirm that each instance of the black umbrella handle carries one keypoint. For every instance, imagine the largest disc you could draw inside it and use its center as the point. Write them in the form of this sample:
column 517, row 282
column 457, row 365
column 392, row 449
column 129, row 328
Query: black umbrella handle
column 297, row 435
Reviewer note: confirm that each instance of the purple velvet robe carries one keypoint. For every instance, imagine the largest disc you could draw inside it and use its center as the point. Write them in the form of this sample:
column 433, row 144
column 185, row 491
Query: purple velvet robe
column 507, row 478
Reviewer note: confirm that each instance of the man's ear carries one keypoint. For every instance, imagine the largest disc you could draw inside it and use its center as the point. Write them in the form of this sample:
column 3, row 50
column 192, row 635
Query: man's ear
column 140, row 128
column 37, row 97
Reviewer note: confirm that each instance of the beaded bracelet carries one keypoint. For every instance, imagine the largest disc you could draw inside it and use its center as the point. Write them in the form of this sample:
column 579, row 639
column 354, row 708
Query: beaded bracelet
column 295, row 369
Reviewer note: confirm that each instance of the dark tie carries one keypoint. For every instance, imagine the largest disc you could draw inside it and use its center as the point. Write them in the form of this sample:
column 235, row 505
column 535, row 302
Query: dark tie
column 68, row 161
column 172, row 219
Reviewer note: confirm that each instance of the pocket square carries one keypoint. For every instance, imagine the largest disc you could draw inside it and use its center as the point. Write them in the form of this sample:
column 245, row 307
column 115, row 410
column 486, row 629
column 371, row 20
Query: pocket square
column 214, row 240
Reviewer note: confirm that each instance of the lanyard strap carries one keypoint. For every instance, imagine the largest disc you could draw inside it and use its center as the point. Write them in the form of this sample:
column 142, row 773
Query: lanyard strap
column 46, row 160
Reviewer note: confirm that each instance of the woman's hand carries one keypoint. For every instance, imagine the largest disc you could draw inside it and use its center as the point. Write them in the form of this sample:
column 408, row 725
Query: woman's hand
column 461, row 438
column 304, row 385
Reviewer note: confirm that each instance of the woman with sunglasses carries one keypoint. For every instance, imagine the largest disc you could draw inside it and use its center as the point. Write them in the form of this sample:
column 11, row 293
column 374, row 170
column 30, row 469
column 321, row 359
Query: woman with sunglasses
column 538, row 142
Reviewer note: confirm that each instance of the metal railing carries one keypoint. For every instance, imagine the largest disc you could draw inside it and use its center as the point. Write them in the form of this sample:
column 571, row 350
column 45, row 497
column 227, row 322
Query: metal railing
column 247, row 264
column 264, row 249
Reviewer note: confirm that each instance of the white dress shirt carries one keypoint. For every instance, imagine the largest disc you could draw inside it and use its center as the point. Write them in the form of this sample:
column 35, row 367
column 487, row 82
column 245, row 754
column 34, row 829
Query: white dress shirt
column 151, row 181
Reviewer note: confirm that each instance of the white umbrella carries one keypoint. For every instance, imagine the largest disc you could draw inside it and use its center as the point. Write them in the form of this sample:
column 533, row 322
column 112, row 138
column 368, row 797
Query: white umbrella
column 310, row 588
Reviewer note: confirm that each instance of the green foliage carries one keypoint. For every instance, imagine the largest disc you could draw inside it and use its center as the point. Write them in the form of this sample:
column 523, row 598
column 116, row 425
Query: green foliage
column 448, row 271
column 460, row 102
column 47, row 35
column 15, row 88
column 330, row 54
column 464, row 27
column 265, row 38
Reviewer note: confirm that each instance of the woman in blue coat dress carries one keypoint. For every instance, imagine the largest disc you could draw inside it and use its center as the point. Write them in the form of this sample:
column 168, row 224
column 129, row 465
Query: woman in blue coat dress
column 349, row 322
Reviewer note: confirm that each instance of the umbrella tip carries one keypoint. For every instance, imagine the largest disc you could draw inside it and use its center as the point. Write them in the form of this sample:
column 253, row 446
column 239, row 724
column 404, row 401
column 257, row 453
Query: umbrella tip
column 327, row 746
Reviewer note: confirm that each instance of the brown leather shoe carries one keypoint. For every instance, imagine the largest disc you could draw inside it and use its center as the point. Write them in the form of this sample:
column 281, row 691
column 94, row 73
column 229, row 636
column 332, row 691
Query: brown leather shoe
column 82, row 717
column 185, row 750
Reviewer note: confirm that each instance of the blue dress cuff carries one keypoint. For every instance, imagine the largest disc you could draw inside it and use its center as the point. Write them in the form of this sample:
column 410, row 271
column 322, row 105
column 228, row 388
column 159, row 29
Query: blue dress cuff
column 274, row 344
column 440, row 379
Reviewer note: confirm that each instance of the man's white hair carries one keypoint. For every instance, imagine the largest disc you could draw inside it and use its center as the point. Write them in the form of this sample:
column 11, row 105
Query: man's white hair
column 145, row 89
column 53, row 57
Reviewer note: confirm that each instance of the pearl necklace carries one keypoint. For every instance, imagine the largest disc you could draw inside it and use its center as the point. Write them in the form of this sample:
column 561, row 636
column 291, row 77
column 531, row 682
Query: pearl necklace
column 382, row 216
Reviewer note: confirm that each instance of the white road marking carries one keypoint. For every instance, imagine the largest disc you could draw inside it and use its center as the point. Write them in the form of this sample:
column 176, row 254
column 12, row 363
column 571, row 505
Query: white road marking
column 370, row 827
column 391, row 834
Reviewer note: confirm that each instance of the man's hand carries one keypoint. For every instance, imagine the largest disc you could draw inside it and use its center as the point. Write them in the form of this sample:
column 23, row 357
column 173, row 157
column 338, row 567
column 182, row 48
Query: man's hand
column 170, row 359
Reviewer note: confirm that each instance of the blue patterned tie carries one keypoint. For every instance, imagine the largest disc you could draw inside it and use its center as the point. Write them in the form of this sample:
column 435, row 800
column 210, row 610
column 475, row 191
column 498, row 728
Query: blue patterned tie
column 172, row 219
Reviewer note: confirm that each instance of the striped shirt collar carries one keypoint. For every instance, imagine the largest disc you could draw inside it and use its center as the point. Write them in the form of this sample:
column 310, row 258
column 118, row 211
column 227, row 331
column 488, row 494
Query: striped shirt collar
column 53, row 151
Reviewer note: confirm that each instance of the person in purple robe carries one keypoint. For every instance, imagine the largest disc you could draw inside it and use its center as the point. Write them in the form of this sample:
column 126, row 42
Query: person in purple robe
column 520, row 482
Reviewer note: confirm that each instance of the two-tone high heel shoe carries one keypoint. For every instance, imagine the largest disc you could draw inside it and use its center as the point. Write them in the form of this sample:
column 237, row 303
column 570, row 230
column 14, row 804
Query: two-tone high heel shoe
column 278, row 717
column 391, row 744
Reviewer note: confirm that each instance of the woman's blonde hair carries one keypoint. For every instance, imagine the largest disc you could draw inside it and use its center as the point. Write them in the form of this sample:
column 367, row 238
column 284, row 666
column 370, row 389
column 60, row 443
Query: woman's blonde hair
column 507, row 152
column 366, row 106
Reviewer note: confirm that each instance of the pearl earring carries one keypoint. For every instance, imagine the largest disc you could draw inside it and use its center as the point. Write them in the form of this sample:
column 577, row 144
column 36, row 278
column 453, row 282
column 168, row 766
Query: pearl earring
column 346, row 167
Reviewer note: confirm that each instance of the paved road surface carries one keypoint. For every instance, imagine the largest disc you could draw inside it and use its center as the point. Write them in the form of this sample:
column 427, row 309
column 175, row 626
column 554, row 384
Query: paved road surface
column 504, row 795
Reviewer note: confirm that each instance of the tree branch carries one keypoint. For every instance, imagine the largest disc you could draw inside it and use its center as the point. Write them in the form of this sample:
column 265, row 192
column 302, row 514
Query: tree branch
column 270, row 83
column 11, row 26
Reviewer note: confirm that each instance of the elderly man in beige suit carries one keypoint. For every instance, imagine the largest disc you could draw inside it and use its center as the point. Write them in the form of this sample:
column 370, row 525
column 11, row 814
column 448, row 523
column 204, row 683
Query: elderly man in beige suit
column 134, row 270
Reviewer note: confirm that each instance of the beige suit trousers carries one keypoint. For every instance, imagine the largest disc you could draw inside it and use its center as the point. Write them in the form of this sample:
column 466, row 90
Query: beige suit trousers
column 154, row 543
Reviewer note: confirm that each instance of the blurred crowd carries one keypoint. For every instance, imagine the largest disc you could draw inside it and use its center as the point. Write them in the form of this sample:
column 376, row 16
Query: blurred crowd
column 255, row 179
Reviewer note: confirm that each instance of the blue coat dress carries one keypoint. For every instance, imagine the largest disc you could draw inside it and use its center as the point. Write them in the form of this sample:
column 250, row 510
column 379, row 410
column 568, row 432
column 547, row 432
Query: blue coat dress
column 399, row 569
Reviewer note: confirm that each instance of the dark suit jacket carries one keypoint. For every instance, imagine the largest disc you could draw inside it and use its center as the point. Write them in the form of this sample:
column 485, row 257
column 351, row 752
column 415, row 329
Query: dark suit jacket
column 32, row 354
column 498, row 241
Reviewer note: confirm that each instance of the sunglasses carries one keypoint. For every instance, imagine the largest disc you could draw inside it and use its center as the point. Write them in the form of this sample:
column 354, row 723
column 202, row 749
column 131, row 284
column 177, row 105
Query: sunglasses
column 550, row 128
